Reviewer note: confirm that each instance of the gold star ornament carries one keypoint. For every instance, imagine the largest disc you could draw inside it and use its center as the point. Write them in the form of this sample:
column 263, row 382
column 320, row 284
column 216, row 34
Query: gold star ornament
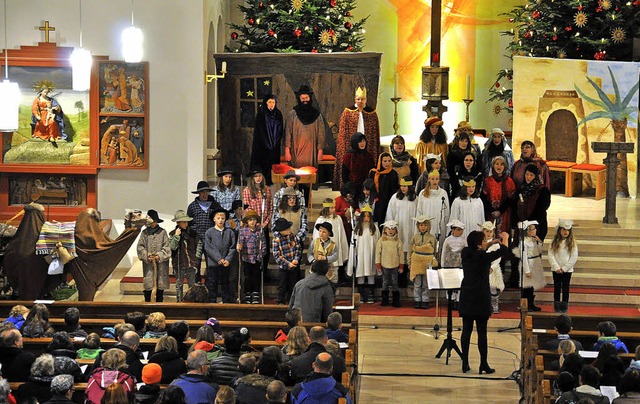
column 618, row 35
column 266, row 83
column 580, row 19
column 249, row 93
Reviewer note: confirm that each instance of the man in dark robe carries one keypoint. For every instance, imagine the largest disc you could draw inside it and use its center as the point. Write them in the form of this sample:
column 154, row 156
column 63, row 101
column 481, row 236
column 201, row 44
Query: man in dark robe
column 304, row 136
column 267, row 137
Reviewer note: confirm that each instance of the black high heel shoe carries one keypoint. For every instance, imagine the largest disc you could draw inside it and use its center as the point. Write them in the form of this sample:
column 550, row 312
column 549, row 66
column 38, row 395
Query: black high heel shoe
column 465, row 367
column 484, row 368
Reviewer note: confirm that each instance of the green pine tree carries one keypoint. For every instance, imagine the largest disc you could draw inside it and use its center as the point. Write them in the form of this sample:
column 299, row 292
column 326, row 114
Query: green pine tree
column 298, row 26
column 576, row 29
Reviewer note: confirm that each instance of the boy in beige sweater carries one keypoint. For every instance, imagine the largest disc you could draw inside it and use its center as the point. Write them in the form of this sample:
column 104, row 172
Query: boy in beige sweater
column 390, row 261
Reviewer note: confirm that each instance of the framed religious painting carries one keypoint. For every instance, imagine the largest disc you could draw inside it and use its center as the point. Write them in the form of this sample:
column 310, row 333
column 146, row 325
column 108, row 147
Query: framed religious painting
column 122, row 115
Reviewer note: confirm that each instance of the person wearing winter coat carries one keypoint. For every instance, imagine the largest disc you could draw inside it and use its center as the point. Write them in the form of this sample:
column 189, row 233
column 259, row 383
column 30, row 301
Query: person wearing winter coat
column 357, row 161
column 319, row 386
column 38, row 385
column 186, row 252
column 195, row 383
column 252, row 388
column 390, row 262
column 154, row 252
column 112, row 370
column 166, row 355
column 15, row 361
column 494, row 147
column 313, row 295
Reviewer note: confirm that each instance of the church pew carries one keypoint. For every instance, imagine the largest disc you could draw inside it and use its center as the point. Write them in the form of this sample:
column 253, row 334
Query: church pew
column 186, row 311
column 585, row 321
column 550, row 356
column 589, row 337
column 263, row 330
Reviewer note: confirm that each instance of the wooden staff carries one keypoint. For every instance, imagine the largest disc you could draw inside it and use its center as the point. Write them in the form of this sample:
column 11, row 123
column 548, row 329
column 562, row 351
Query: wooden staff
column 155, row 278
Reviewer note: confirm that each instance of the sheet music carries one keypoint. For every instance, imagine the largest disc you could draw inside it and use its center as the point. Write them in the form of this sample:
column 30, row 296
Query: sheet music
column 450, row 278
column 433, row 280
column 609, row 391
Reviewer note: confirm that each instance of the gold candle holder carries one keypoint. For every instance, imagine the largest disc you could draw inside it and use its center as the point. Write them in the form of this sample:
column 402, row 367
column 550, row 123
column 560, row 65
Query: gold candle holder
column 395, row 100
column 467, row 102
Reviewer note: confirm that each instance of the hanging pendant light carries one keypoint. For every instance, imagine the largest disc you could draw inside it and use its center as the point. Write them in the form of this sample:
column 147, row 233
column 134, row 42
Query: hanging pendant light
column 132, row 42
column 81, row 63
column 9, row 92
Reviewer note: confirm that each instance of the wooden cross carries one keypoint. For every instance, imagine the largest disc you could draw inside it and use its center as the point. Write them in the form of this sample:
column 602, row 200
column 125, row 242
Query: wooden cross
column 46, row 28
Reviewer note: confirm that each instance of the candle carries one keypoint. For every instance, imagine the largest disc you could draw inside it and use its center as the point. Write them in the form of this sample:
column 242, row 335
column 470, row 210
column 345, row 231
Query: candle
column 468, row 87
column 395, row 85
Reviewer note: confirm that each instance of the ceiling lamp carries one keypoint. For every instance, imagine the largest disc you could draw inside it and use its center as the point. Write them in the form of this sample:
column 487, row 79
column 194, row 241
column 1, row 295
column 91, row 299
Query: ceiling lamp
column 9, row 92
column 81, row 63
column 132, row 42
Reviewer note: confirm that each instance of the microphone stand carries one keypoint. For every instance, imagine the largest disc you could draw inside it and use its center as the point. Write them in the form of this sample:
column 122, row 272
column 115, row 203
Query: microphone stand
column 264, row 196
column 238, row 299
column 355, row 258
column 438, row 324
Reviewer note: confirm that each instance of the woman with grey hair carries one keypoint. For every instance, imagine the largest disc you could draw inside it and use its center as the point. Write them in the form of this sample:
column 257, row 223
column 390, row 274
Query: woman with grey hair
column 62, row 389
column 38, row 385
column 5, row 389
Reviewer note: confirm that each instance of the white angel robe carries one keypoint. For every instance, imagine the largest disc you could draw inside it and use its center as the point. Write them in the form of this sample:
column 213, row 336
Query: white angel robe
column 469, row 211
column 403, row 211
column 363, row 256
column 433, row 206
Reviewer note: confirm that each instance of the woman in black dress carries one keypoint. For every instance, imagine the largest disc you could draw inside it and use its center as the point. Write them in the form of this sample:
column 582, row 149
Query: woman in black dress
column 475, row 295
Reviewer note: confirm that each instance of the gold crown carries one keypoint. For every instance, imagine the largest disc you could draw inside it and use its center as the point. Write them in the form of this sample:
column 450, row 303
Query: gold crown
column 328, row 204
column 470, row 183
column 433, row 173
column 361, row 92
column 404, row 182
column 366, row 208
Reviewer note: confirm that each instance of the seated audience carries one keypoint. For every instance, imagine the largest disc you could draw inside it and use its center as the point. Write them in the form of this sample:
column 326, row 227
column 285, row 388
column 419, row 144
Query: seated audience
column 252, row 389
column 72, row 323
column 612, row 371
column 156, row 325
column 38, row 385
column 138, row 320
column 297, row 343
column 61, row 390
column 16, row 362
column 17, row 315
column 128, row 344
column 152, row 376
column 37, row 324
column 113, row 368
column 303, row 364
column 573, row 363
column 166, row 355
column 206, row 341
column 563, row 327
column 604, row 353
column 225, row 367
column 629, row 388
column 225, row 395
column 172, row 395
column 334, row 325
column 320, row 385
column 180, row 331
column 313, row 295
column 333, row 347
column 276, row 392
column 64, row 356
column 564, row 383
column 215, row 326
column 292, row 317
column 195, row 383
column 589, row 388
column 90, row 347
column 607, row 333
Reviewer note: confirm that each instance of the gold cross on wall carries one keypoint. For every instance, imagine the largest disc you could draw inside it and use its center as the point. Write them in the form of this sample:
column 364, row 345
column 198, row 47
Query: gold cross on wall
column 46, row 28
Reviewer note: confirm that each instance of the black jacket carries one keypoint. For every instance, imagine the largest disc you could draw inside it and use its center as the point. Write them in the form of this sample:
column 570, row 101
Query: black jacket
column 171, row 363
column 252, row 389
column 38, row 387
column 148, row 393
column 475, row 295
column 224, row 368
column 59, row 400
column 16, row 364
column 301, row 365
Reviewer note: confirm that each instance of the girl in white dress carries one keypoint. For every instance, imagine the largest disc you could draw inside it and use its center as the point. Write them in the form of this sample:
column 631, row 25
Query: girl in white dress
column 468, row 208
column 402, row 209
column 362, row 254
column 563, row 255
column 531, row 263
column 433, row 202
column 452, row 249
column 328, row 214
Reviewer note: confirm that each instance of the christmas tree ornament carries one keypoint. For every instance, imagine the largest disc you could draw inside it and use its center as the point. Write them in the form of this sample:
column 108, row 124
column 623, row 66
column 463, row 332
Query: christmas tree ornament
column 618, row 35
column 347, row 14
column 536, row 14
column 580, row 19
column 297, row 32
column 562, row 54
column 251, row 21
column 314, row 50
column 271, row 32
column 600, row 55
column 296, row 5
column 325, row 38
column 348, row 25
column 333, row 3
column 605, row 4
column 234, row 35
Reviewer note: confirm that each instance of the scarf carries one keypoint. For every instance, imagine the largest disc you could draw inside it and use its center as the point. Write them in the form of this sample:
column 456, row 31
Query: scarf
column 306, row 113
column 379, row 171
column 528, row 189
column 494, row 150
column 400, row 159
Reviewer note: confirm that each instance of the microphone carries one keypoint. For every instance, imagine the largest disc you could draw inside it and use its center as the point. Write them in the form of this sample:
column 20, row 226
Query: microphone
column 443, row 199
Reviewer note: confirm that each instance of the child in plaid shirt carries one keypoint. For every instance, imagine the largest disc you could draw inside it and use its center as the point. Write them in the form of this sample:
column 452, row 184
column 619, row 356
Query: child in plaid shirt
column 252, row 246
column 287, row 251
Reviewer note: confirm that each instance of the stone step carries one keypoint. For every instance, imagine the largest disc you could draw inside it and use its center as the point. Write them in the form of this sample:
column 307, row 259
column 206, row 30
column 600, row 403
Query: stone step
column 623, row 281
column 605, row 248
column 598, row 264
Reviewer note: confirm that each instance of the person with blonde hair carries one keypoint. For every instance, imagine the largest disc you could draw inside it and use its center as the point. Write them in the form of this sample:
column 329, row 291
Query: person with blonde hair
column 297, row 343
column 225, row 395
column 17, row 315
column 113, row 369
column 156, row 325
column 166, row 355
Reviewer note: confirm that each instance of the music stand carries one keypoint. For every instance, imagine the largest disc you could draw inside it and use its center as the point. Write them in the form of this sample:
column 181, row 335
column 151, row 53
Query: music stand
column 449, row 343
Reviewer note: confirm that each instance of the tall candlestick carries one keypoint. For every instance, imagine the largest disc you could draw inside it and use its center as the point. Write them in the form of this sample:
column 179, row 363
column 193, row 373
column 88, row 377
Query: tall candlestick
column 468, row 97
column 395, row 85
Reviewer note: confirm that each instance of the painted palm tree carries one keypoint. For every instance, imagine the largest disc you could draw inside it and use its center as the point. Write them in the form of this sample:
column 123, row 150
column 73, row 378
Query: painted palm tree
column 619, row 113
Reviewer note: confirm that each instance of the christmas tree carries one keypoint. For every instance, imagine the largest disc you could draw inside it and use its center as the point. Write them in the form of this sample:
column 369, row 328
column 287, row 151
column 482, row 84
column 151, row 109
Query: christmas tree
column 576, row 29
column 297, row 25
